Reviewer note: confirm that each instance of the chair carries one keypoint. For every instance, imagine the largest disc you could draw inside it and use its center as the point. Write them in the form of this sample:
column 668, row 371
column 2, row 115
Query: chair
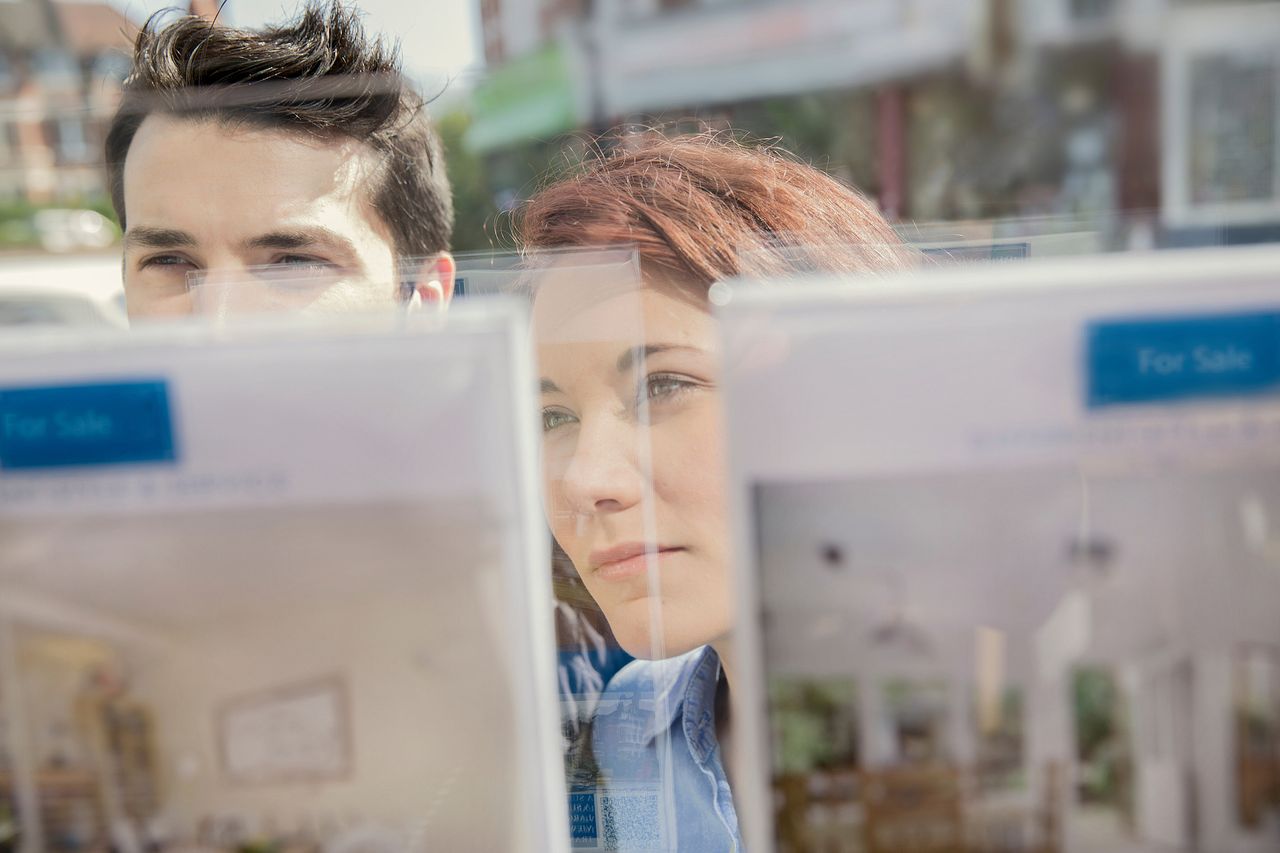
column 913, row 808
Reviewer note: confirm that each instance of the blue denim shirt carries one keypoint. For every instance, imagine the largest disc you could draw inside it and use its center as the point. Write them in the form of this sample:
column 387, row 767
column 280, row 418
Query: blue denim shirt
column 663, row 785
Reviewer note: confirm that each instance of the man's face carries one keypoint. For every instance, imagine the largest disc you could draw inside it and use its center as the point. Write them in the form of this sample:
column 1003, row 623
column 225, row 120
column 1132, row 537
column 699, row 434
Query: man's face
column 264, row 218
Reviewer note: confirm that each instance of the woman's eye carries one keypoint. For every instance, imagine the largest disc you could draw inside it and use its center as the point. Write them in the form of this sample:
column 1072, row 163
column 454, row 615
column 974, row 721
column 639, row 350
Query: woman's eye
column 662, row 386
column 553, row 418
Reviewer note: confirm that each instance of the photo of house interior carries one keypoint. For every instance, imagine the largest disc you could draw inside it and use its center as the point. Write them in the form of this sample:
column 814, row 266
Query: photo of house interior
column 1024, row 660
column 259, row 678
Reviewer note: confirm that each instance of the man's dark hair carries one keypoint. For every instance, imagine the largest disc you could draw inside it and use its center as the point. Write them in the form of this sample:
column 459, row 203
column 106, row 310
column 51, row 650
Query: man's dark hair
column 318, row 75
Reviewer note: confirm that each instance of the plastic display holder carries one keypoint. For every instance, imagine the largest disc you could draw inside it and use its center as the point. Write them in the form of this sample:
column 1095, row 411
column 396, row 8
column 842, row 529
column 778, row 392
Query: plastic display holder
column 789, row 259
column 317, row 290
column 481, row 274
column 1008, row 570
column 278, row 584
column 1013, row 239
column 598, row 331
column 314, row 290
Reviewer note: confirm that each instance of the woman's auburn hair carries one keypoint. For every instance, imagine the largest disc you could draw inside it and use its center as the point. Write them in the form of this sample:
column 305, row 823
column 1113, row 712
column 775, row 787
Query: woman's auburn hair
column 705, row 207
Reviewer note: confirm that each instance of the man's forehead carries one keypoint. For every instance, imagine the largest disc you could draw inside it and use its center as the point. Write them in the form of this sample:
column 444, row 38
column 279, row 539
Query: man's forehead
column 207, row 153
column 164, row 126
column 201, row 174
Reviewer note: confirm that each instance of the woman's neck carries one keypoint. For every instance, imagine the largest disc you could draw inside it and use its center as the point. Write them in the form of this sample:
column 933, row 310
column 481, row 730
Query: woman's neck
column 724, row 651
column 724, row 721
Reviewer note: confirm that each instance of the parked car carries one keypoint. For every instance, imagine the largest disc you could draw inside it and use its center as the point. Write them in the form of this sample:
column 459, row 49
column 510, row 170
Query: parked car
column 83, row 291
column 70, row 230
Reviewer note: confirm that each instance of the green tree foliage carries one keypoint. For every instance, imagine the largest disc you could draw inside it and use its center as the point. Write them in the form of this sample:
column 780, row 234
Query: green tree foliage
column 475, row 211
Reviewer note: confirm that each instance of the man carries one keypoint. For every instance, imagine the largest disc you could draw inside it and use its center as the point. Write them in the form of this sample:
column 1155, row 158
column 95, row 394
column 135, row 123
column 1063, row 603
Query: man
column 295, row 162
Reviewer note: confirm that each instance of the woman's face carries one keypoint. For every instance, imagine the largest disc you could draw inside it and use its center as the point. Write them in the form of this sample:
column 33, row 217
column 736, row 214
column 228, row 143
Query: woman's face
column 633, row 460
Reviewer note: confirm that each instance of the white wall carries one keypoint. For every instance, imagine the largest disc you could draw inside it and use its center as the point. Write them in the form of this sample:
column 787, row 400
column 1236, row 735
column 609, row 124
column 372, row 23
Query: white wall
column 429, row 752
column 431, row 713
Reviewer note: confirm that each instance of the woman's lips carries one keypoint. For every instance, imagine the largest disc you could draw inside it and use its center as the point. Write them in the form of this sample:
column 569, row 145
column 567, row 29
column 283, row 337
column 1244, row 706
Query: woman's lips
column 627, row 560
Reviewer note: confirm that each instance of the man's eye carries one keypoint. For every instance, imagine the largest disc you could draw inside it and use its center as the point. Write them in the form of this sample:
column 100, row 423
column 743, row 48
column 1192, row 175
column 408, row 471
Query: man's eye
column 304, row 262
column 165, row 261
column 553, row 418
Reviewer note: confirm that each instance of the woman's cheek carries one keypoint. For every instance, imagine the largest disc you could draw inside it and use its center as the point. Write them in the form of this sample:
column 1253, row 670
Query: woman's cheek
column 688, row 459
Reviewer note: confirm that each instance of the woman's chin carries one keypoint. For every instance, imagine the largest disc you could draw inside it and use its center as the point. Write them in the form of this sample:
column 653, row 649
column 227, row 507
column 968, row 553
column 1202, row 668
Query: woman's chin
column 640, row 644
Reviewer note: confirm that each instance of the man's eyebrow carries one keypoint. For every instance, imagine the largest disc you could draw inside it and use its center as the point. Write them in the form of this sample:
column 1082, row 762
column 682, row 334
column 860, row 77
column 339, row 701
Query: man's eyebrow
column 301, row 238
column 629, row 359
column 549, row 387
column 145, row 236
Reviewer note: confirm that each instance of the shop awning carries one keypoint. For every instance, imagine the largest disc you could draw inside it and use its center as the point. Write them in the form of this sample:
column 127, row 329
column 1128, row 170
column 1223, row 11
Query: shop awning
column 530, row 97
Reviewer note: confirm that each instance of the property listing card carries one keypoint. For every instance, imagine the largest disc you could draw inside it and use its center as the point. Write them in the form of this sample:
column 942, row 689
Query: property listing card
column 1008, row 557
column 276, row 589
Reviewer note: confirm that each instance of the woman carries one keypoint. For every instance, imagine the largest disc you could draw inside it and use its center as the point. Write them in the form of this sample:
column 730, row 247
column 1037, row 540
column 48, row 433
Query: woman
column 633, row 455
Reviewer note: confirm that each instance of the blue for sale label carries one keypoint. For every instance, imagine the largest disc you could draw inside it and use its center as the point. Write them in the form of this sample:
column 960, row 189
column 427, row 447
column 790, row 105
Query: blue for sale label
column 86, row 425
column 1165, row 360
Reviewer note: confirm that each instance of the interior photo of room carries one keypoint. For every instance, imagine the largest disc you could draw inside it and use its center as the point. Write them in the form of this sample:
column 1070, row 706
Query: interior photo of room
column 1056, row 660
column 267, row 679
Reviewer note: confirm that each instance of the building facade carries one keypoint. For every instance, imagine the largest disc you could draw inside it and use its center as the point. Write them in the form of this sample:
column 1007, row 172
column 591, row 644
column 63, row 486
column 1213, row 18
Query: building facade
column 61, row 66
column 1070, row 110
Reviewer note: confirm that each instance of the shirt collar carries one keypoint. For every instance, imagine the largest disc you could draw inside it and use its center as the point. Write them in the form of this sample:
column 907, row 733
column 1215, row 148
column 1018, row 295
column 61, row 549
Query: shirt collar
column 684, row 684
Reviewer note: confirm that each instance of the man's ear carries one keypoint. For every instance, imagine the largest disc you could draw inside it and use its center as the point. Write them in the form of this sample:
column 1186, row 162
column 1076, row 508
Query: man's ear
column 433, row 280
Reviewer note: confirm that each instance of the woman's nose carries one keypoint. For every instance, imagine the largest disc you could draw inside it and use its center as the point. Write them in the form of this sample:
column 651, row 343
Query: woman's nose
column 602, row 473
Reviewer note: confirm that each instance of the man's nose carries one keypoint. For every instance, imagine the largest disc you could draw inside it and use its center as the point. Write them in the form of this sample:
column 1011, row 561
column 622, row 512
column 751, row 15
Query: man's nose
column 603, row 472
column 227, row 286
column 220, row 270
column 216, row 272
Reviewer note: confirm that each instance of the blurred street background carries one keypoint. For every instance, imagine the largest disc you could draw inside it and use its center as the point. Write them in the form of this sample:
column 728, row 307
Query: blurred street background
column 1150, row 123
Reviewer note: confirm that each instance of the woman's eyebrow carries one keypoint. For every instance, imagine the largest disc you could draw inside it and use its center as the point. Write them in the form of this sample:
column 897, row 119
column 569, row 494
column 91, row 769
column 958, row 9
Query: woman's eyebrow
column 548, row 387
column 627, row 361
